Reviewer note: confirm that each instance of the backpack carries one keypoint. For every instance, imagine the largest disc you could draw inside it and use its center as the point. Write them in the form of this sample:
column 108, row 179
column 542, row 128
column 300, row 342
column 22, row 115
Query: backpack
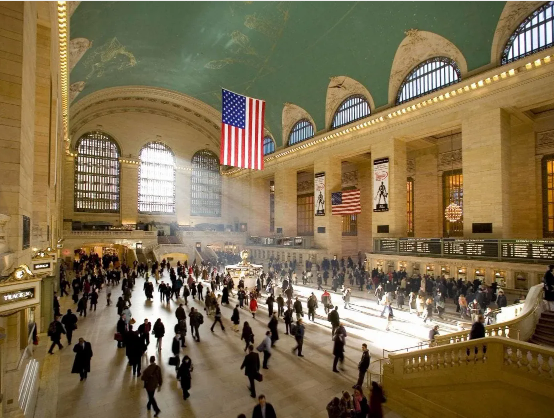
column 52, row 328
column 200, row 318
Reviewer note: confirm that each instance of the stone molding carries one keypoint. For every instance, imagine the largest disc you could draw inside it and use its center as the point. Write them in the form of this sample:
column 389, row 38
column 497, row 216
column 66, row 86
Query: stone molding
column 4, row 219
column 450, row 160
column 292, row 114
column 20, row 274
column 411, row 167
column 349, row 179
column 338, row 90
column 72, row 6
column 417, row 47
column 77, row 48
column 512, row 15
column 545, row 143
column 306, row 186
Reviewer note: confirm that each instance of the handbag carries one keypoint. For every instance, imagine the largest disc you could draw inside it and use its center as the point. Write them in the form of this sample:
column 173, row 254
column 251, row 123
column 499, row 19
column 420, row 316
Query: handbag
column 132, row 321
column 118, row 337
column 174, row 361
column 259, row 377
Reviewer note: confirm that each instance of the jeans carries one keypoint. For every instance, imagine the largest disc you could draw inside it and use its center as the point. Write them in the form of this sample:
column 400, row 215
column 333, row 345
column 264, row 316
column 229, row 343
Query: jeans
column 299, row 344
column 69, row 334
column 267, row 355
column 287, row 328
column 152, row 401
column 336, row 360
column 361, row 377
column 311, row 314
column 252, row 386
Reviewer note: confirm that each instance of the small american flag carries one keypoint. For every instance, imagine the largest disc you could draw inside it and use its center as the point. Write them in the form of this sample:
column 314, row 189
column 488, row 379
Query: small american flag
column 346, row 203
column 242, row 131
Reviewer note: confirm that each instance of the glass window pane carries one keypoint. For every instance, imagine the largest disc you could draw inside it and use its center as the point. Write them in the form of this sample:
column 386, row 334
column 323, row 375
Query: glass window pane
column 156, row 179
column 352, row 109
column 205, row 185
column 301, row 131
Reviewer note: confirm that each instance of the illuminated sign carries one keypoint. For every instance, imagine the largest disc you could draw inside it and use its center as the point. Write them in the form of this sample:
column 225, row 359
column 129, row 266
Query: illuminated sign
column 41, row 266
column 16, row 296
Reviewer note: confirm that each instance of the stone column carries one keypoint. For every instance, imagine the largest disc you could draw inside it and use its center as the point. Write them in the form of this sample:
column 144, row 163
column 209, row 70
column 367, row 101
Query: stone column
column 396, row 216
column 258, row 222
column 486, row 168
column 18, row 55
column 182, row 196
column 128, row 193
column 427, row 206
column 365, row 184
column 285, row 201
column 331, row 239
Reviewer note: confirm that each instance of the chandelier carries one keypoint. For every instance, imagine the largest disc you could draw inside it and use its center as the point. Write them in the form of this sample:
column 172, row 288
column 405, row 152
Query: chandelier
column 453, row 211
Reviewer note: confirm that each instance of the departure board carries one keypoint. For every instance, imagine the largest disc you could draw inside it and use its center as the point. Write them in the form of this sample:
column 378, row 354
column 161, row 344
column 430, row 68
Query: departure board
column 388, row 246
column 419, row 246
column 528, row 249
column 470, row 248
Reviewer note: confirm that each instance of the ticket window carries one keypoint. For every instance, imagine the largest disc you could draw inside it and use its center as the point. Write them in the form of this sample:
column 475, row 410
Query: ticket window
column 390, row 267
column 445, row 271
column 402, row 266
column 480, row 274
column 380, row 264
column 500, row 278
column 416, row 269
column 462, row 273
column 522, row 281
column 430, row 270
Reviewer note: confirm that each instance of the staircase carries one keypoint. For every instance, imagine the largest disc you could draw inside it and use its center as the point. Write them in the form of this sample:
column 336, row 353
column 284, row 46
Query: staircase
column 544, row 332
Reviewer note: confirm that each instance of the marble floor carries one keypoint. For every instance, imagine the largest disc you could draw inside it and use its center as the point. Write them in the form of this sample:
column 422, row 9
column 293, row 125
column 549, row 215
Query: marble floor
column 297, row 387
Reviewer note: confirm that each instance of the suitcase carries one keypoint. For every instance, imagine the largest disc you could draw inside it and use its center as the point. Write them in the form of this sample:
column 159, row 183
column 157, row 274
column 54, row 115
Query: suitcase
column 293, row 329
column 118, row 337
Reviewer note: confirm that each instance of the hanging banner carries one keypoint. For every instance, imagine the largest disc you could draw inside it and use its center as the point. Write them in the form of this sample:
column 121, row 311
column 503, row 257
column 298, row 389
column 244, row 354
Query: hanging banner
column 381, row 185
column 319, row 194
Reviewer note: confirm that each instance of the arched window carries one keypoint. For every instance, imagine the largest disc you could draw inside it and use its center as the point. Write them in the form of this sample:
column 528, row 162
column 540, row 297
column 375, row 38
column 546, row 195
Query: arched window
column 206, row 185
column 533, row 34
column 301, row 131
column 156, row 179
column 548, row 196
column 430, row 75
column 352, row 109
column 269, row 145
column 97, row 173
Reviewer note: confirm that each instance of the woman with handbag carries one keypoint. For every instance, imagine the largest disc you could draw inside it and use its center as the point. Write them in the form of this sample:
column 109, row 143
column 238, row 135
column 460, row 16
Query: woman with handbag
column 159, row 332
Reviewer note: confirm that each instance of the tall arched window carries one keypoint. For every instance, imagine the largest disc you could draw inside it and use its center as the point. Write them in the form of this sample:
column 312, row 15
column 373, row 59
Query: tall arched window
column 205, row 185
column 533, row 34
column 429, row 76
column 156, row 179
column 269, row 145
column 97, row 173
column 548, row 196
column 301, row 131
column 352, row 109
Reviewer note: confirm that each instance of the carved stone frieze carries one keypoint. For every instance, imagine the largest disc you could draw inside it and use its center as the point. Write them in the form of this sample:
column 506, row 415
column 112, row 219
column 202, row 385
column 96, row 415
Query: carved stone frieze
column 20, row 274
column 306, row 186
column 350, row 179
column 450, row 160
column 410, row 169
column 545, row 143
column 77, row 48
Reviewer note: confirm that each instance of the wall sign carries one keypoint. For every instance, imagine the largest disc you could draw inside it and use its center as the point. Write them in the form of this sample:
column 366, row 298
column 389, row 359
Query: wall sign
column 17, row 296
column 41, row 266
column 319, row 194
column 381, row 185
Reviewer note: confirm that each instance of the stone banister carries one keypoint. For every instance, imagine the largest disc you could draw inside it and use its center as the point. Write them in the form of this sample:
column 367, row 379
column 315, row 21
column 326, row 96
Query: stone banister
column 521, row 326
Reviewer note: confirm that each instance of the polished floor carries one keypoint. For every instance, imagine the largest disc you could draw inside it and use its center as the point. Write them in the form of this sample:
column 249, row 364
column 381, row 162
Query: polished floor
column 297, row 387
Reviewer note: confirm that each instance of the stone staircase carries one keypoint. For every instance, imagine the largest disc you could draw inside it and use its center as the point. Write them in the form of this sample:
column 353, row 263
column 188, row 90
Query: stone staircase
column 544, row 332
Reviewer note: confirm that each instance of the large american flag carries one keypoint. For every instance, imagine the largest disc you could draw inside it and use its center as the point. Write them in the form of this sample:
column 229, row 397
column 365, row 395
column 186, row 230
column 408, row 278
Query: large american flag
column 242, row 131
column 346, row 203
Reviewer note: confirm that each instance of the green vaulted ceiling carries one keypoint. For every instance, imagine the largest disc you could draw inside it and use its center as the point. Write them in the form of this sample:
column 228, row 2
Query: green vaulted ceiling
column 276, row 51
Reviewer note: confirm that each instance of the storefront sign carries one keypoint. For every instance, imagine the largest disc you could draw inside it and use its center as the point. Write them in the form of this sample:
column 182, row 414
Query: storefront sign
column 17, row 296
column 139, row 245
column 41, row 266
column 319, row 194
column 381, row 185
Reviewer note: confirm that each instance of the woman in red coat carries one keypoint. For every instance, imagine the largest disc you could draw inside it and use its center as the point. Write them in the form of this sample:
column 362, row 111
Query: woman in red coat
column 253, row 307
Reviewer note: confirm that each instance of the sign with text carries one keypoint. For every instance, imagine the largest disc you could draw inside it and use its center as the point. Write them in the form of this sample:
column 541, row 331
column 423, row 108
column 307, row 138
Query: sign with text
column 17, row 296
column 319, row 194
column 381, row 185
column 41, row 266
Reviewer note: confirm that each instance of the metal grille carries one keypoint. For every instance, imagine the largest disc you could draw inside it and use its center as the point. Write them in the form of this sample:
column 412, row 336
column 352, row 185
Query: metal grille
column 429, row 76
column 305, row 215
column 269, row 145
column 410, row 205
column 352, row 109
column 548, row 179
column 301, row 131
column 97, row 171
column 206, row 185
column 453, row 188
column 534, row 34
column 156, row 179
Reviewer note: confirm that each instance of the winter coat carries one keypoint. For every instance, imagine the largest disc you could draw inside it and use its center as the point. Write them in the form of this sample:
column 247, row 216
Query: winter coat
column 82, row 358
column 159, row 330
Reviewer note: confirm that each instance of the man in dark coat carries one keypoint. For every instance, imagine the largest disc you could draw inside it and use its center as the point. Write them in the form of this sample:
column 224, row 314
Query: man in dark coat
column 83, row 354
column 272, row 325
column 363, row 365
column 334, row 319
column 69, row 321
column 478, row 328
column 338, row 348
column 152, row 378
column 251, row 366
column 299, row 336
column 55, row 331
column 180, row 312
column 183, row 374
column 263, row 409
column 136, row 347
column 298, row 309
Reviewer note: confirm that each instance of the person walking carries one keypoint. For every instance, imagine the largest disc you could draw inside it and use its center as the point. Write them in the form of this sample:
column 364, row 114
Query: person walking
column 144, row 331
column 176, row 350
column 235, row 319
column 288, row 320
column 297, row 306
column 217, row 319
column 135, row 348
column 180, row 313
column 338, row 348
column 93, row 300
column 270, row 301
column 69, row 321
column 121, row 329
column 247, row 335
column 280, row 305
column 263, row 409
column 196, row 319
column 181, row 329
column 363, row 365
column 82, row 306
column 184, row 376
column 159, row 332
column 55, row 331
column 272, row 325
column 83, row 355
column 265, row 347
column 334, row 319
column 253, row 307
column 432, row 333
column 312, row 306
column 299, row 336
column 152, row 378
column 251, row 366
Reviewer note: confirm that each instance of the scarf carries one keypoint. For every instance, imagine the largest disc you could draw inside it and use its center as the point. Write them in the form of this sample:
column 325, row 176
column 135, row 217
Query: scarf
column 357, row 400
